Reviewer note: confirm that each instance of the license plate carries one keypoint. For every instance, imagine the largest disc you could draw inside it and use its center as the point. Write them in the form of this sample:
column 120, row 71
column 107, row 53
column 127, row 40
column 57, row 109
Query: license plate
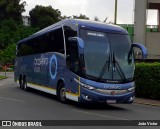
column 111, row 101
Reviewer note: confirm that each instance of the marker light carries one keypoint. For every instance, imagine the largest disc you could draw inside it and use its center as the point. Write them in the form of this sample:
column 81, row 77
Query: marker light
column 84, row 85
column 131, row 89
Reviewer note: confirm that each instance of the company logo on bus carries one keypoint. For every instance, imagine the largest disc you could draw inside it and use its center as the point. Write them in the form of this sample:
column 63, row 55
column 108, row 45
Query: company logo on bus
column 113, row 92
column 53, row 67
column 113, row 87
column 41, row 61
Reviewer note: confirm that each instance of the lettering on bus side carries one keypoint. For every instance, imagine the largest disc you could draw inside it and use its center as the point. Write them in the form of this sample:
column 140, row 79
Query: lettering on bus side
column 40, row 62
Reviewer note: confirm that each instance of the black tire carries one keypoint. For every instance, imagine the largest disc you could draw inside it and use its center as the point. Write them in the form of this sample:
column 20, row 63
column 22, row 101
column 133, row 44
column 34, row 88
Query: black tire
column 20, row 83
column 24, row 85
column 61, row 93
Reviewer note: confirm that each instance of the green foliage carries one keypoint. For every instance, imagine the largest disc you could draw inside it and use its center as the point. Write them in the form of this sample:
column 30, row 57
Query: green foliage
column 2, row 77
column 42, row 16
column 81, row 16
column 8, row 54
column 7, row 33
column 147, row 77
column 10, row 33
column 25, row 31
column 12, row 9
column 12, row 30
column 11, row 18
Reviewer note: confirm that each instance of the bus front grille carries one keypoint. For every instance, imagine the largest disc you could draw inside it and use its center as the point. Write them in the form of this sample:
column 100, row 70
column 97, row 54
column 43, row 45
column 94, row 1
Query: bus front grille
column 111, row 92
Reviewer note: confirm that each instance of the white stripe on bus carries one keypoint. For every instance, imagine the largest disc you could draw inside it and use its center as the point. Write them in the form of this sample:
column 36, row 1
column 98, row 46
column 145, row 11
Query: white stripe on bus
column 51, row 91
column 72, row 97
column 41, row 88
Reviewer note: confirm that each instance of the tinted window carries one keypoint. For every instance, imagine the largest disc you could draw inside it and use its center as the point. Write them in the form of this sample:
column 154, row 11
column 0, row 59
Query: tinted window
column 55, row 41
column 73, row 59
column 27, row 48
column 50, row 42
column 69, row 31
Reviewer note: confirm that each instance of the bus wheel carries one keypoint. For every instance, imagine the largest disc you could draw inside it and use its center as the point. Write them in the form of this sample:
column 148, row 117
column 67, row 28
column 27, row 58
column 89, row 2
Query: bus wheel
column 20, row 83
column 25, row 84
column 61, row 93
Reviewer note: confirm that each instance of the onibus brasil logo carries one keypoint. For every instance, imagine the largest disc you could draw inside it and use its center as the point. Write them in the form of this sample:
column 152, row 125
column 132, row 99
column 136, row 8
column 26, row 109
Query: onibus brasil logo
column 43, row 61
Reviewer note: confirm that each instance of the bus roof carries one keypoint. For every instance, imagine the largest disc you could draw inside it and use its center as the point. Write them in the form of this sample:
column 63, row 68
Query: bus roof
column 85, row 24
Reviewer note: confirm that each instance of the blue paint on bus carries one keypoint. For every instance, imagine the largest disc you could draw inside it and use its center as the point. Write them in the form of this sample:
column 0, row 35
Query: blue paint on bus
column 81, row 60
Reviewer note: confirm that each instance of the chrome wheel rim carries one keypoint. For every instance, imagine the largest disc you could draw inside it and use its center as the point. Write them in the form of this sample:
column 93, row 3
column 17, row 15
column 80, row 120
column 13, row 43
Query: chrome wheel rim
column 63, row 93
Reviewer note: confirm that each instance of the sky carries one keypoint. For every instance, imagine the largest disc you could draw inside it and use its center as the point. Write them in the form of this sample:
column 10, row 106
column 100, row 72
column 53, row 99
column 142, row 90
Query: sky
column 92, row 8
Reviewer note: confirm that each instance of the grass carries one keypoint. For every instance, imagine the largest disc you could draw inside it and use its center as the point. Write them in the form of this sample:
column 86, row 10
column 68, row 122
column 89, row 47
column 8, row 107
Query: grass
column 2, row 77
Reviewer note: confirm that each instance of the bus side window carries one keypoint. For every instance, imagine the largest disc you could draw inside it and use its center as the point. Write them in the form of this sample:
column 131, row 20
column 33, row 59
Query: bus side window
column 55, row 41
column 73, row 59
column 41, row 45
column 70, row 31
column 27, row 48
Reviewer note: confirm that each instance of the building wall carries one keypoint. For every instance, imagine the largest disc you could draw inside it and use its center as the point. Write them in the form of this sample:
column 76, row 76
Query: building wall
column 153, row 45
column 151, row 40
column 140, row 21
column 26, row 20
column 153, row 1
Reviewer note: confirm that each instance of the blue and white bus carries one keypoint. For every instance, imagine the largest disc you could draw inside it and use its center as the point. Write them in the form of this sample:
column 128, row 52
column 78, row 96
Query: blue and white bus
column 79, row 60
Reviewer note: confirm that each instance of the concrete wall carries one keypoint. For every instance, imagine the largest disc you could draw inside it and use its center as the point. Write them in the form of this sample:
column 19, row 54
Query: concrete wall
column 140, row 21
column 153, row 45
column 151, row 40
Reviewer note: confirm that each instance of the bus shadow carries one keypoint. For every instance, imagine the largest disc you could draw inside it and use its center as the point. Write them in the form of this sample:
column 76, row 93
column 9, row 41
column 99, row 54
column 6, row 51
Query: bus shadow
column 98, row 106
column 90, row 106
column 42, row 94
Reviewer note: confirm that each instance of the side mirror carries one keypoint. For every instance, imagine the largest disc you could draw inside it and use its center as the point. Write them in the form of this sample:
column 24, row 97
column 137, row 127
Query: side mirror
column 79, row 43
column 76, row 55
column 143, row 49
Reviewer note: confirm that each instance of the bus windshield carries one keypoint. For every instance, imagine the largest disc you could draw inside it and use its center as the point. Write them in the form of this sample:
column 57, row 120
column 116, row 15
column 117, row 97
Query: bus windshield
column 108, row 57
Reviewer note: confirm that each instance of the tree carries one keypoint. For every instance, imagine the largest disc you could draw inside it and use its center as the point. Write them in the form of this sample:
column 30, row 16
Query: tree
column 11, row 32
column 7, row 32
column 42, row 16
column 105, row 20
column 12, row 9
column 96, row 18
column 8, row 39
column 8, row 54
column 65, row 17
column 81, row 16
column 11, row 28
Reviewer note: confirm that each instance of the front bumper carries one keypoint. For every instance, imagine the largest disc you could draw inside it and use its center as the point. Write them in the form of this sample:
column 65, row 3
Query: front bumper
column 94, row 97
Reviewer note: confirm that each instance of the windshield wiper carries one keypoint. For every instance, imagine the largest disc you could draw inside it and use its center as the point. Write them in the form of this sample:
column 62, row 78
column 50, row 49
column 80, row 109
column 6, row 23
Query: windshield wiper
column 118, row 67
column 106, row 66
column 115, row 66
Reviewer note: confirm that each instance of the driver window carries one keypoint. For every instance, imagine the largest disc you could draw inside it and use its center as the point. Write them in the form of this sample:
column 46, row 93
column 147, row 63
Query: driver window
column 71, row 48
column 72, row 58
column 69, row 31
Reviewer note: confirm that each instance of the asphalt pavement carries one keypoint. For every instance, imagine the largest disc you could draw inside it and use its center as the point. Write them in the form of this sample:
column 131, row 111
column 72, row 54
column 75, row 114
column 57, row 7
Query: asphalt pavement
column 16, row 104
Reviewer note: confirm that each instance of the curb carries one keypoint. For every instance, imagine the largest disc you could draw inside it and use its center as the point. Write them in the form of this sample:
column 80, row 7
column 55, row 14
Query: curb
column 150, row 104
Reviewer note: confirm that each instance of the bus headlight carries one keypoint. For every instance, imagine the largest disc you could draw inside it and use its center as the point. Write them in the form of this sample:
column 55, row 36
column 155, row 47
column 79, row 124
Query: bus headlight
column 88, row 87
column 131, row 89
column 85, row 85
